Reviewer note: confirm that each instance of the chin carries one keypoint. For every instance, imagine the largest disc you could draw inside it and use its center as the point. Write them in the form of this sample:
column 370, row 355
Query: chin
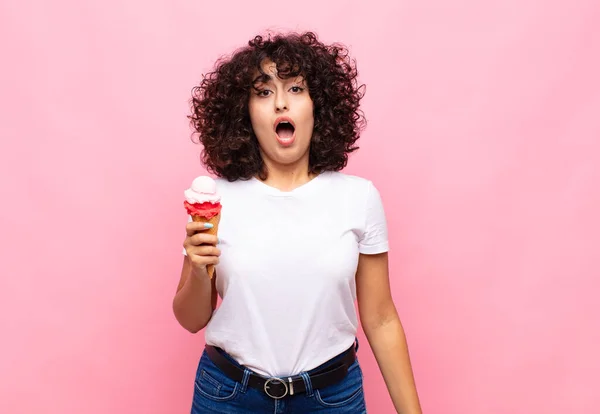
column 287, row 160
column 287, row 156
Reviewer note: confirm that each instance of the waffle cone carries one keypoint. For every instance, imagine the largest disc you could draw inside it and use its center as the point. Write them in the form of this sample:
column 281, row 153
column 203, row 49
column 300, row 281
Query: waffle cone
column 215, row 229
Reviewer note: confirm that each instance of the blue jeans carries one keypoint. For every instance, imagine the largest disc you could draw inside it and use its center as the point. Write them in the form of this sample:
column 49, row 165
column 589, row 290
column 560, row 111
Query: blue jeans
column 215, row 393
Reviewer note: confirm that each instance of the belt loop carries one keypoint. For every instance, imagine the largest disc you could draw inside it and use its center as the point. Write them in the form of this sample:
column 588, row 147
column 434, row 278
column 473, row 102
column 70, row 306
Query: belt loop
column 307, row 384
column 245, row 380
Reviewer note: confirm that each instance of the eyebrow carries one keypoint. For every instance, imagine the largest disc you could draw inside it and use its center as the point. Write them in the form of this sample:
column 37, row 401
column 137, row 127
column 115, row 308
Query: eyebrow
column 265, row 78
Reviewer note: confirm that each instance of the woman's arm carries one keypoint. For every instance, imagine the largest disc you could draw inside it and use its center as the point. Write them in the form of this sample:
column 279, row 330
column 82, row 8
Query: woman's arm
column 195, row 300
column 196, row 296
column 384, row 331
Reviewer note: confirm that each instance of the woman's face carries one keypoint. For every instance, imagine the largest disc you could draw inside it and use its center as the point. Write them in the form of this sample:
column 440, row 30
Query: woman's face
column 281, row 113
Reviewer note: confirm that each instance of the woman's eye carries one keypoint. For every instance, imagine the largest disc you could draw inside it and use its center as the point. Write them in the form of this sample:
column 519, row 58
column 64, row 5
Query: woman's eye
column 296, row 89
column 264, row 92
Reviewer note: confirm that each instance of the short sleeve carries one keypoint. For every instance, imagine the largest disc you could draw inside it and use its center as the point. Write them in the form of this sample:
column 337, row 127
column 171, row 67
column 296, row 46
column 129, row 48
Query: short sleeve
column 374, row 238
column 189, row 219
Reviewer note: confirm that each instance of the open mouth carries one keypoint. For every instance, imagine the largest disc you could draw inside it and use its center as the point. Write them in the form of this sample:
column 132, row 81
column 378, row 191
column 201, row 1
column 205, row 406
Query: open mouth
column 285, row 130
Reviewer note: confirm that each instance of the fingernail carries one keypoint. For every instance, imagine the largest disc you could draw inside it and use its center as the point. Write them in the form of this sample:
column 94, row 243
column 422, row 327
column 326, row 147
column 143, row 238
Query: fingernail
column 208, row 225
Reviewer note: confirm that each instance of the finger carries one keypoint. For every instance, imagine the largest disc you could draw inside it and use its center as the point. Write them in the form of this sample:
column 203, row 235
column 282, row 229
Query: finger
column 204, row 250
column 204, row 260
column 193, row 227
column 198, row 240
column 203, row 238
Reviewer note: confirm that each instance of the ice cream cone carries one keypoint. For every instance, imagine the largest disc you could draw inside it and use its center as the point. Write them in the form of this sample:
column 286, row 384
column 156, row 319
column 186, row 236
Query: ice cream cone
column 202, row 203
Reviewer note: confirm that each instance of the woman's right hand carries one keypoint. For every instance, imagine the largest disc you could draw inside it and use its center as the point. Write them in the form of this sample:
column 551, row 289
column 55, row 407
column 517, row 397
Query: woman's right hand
column 200, row 248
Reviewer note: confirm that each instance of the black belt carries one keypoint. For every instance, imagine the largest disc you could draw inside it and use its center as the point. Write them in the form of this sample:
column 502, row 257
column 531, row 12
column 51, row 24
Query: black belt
column 278, row 388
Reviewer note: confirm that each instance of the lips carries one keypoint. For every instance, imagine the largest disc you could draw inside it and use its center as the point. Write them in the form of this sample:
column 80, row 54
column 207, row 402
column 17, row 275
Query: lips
column 285, row 130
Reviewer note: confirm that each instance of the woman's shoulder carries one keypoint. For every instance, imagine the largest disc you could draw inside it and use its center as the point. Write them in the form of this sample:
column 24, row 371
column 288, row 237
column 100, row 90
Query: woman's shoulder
column 358, row 187
column 350, row 181
column 235, row 188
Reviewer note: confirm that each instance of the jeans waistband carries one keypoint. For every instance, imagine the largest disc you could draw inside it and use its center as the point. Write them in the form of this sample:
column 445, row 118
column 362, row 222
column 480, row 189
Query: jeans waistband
column 315, row 369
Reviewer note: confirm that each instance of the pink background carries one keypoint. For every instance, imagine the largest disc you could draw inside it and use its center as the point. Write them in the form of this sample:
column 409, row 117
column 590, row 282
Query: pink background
column 483, row 137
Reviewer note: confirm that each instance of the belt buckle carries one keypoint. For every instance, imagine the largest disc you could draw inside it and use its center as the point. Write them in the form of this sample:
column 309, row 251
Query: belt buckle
column 276, row 381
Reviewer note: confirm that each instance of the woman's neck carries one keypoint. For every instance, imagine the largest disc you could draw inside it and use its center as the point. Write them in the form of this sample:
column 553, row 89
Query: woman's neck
column 287, row 177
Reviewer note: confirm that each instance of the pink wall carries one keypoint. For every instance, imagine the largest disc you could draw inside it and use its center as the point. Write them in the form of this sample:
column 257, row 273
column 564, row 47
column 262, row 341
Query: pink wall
column 484, row 139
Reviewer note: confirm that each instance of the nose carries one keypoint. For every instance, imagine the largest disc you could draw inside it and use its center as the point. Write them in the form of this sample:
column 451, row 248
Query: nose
column 281, row 103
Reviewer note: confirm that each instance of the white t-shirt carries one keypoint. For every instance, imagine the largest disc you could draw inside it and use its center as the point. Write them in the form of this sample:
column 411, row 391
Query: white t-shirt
column 287, row 269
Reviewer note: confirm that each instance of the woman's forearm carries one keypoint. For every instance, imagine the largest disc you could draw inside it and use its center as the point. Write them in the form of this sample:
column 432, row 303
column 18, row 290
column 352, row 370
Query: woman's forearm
column 389, row 346
column 192, row 304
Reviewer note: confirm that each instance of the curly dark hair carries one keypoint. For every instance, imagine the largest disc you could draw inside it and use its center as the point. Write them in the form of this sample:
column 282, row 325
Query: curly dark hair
column 221, row 119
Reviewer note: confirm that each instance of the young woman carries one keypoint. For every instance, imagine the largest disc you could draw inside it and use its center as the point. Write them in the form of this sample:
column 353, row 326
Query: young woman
column 298, row 240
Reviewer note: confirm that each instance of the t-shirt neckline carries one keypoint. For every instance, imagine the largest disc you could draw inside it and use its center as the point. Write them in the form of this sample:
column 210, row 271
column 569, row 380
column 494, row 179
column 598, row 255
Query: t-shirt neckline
column 298, row 190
